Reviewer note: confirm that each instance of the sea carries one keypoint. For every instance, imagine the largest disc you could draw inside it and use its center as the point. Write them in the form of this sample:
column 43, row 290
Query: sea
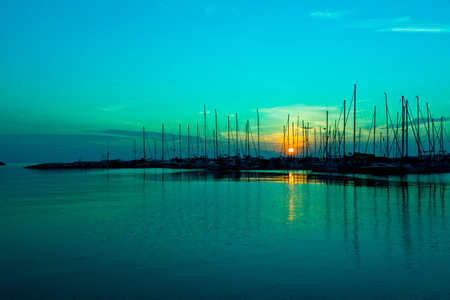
column 196, row 234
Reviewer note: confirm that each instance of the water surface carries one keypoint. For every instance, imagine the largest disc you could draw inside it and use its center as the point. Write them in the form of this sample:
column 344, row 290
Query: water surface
column 167, row 234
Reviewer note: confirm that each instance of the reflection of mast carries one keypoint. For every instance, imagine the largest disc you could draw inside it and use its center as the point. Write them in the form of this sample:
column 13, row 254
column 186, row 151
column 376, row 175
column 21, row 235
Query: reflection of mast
column 355, row 229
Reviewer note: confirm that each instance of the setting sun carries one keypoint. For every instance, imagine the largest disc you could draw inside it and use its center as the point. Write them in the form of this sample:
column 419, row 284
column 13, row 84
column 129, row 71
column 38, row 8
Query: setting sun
column 291, row 150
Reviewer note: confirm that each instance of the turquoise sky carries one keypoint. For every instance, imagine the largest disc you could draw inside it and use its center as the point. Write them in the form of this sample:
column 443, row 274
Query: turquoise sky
column 77, row 75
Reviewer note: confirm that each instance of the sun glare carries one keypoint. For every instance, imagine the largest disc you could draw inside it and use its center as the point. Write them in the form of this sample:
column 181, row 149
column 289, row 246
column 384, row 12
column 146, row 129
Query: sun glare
column 291, row 150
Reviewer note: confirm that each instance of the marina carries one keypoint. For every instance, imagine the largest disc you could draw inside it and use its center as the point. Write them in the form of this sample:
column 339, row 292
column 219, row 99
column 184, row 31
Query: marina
column 323, row 153
column 220, row 149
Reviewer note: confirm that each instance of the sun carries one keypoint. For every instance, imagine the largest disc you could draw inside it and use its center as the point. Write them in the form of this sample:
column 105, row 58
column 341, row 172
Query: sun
column 291, row 150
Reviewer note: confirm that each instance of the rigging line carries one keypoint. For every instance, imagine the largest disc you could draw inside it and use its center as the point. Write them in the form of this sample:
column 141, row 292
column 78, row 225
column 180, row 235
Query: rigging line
column 148, row 145
column 349, row 110
column 395, row 134
column 262, row 134
column 445, row 131
column 253, row 141
column 368, row 138
column 418, row 141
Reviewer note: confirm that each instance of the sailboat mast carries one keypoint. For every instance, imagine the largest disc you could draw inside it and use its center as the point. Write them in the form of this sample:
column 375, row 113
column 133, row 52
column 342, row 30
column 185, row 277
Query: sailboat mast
column 343, row 133
column 315, row 143
column 429, row 134
column 307, row 140
column 335, row 138
column 179, row 125
column 143, row 139
column 237, row 136
column 204, row 113
column 442, row 138
column 406, row 129
column 293, row 137
column 288, row 145
column 354, row 120
column 298, row 132
column 162, row 143
column 418, row 128
column 248, row 138
column 303, row 137
column 257, row 121
column 374, row 128
column 326, row 139
column 189, row 143
column 387, row 127
column 403, row 127
column 228, row 136
column 216, row 143
column 198, row 143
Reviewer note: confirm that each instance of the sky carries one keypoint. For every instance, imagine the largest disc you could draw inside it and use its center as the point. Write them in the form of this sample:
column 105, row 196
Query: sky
column 81, row 78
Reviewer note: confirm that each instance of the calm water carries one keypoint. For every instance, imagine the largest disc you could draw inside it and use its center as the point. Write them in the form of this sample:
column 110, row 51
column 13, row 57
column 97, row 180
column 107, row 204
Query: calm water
column 161, row 234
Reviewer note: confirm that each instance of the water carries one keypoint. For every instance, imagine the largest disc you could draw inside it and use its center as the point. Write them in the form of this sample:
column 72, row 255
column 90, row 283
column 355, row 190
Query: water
column 166, row 234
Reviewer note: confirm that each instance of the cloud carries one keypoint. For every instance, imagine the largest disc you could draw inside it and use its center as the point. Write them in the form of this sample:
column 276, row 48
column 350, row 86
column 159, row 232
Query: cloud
column 419, row 30
column 311, row 114
column 331, row 15
column 388, row 25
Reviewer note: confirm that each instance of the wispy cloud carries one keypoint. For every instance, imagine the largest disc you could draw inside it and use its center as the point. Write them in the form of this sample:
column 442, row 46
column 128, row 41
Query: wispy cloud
column 311, row 114
column 321, row 14
column 394, row 25
column 419, row 29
